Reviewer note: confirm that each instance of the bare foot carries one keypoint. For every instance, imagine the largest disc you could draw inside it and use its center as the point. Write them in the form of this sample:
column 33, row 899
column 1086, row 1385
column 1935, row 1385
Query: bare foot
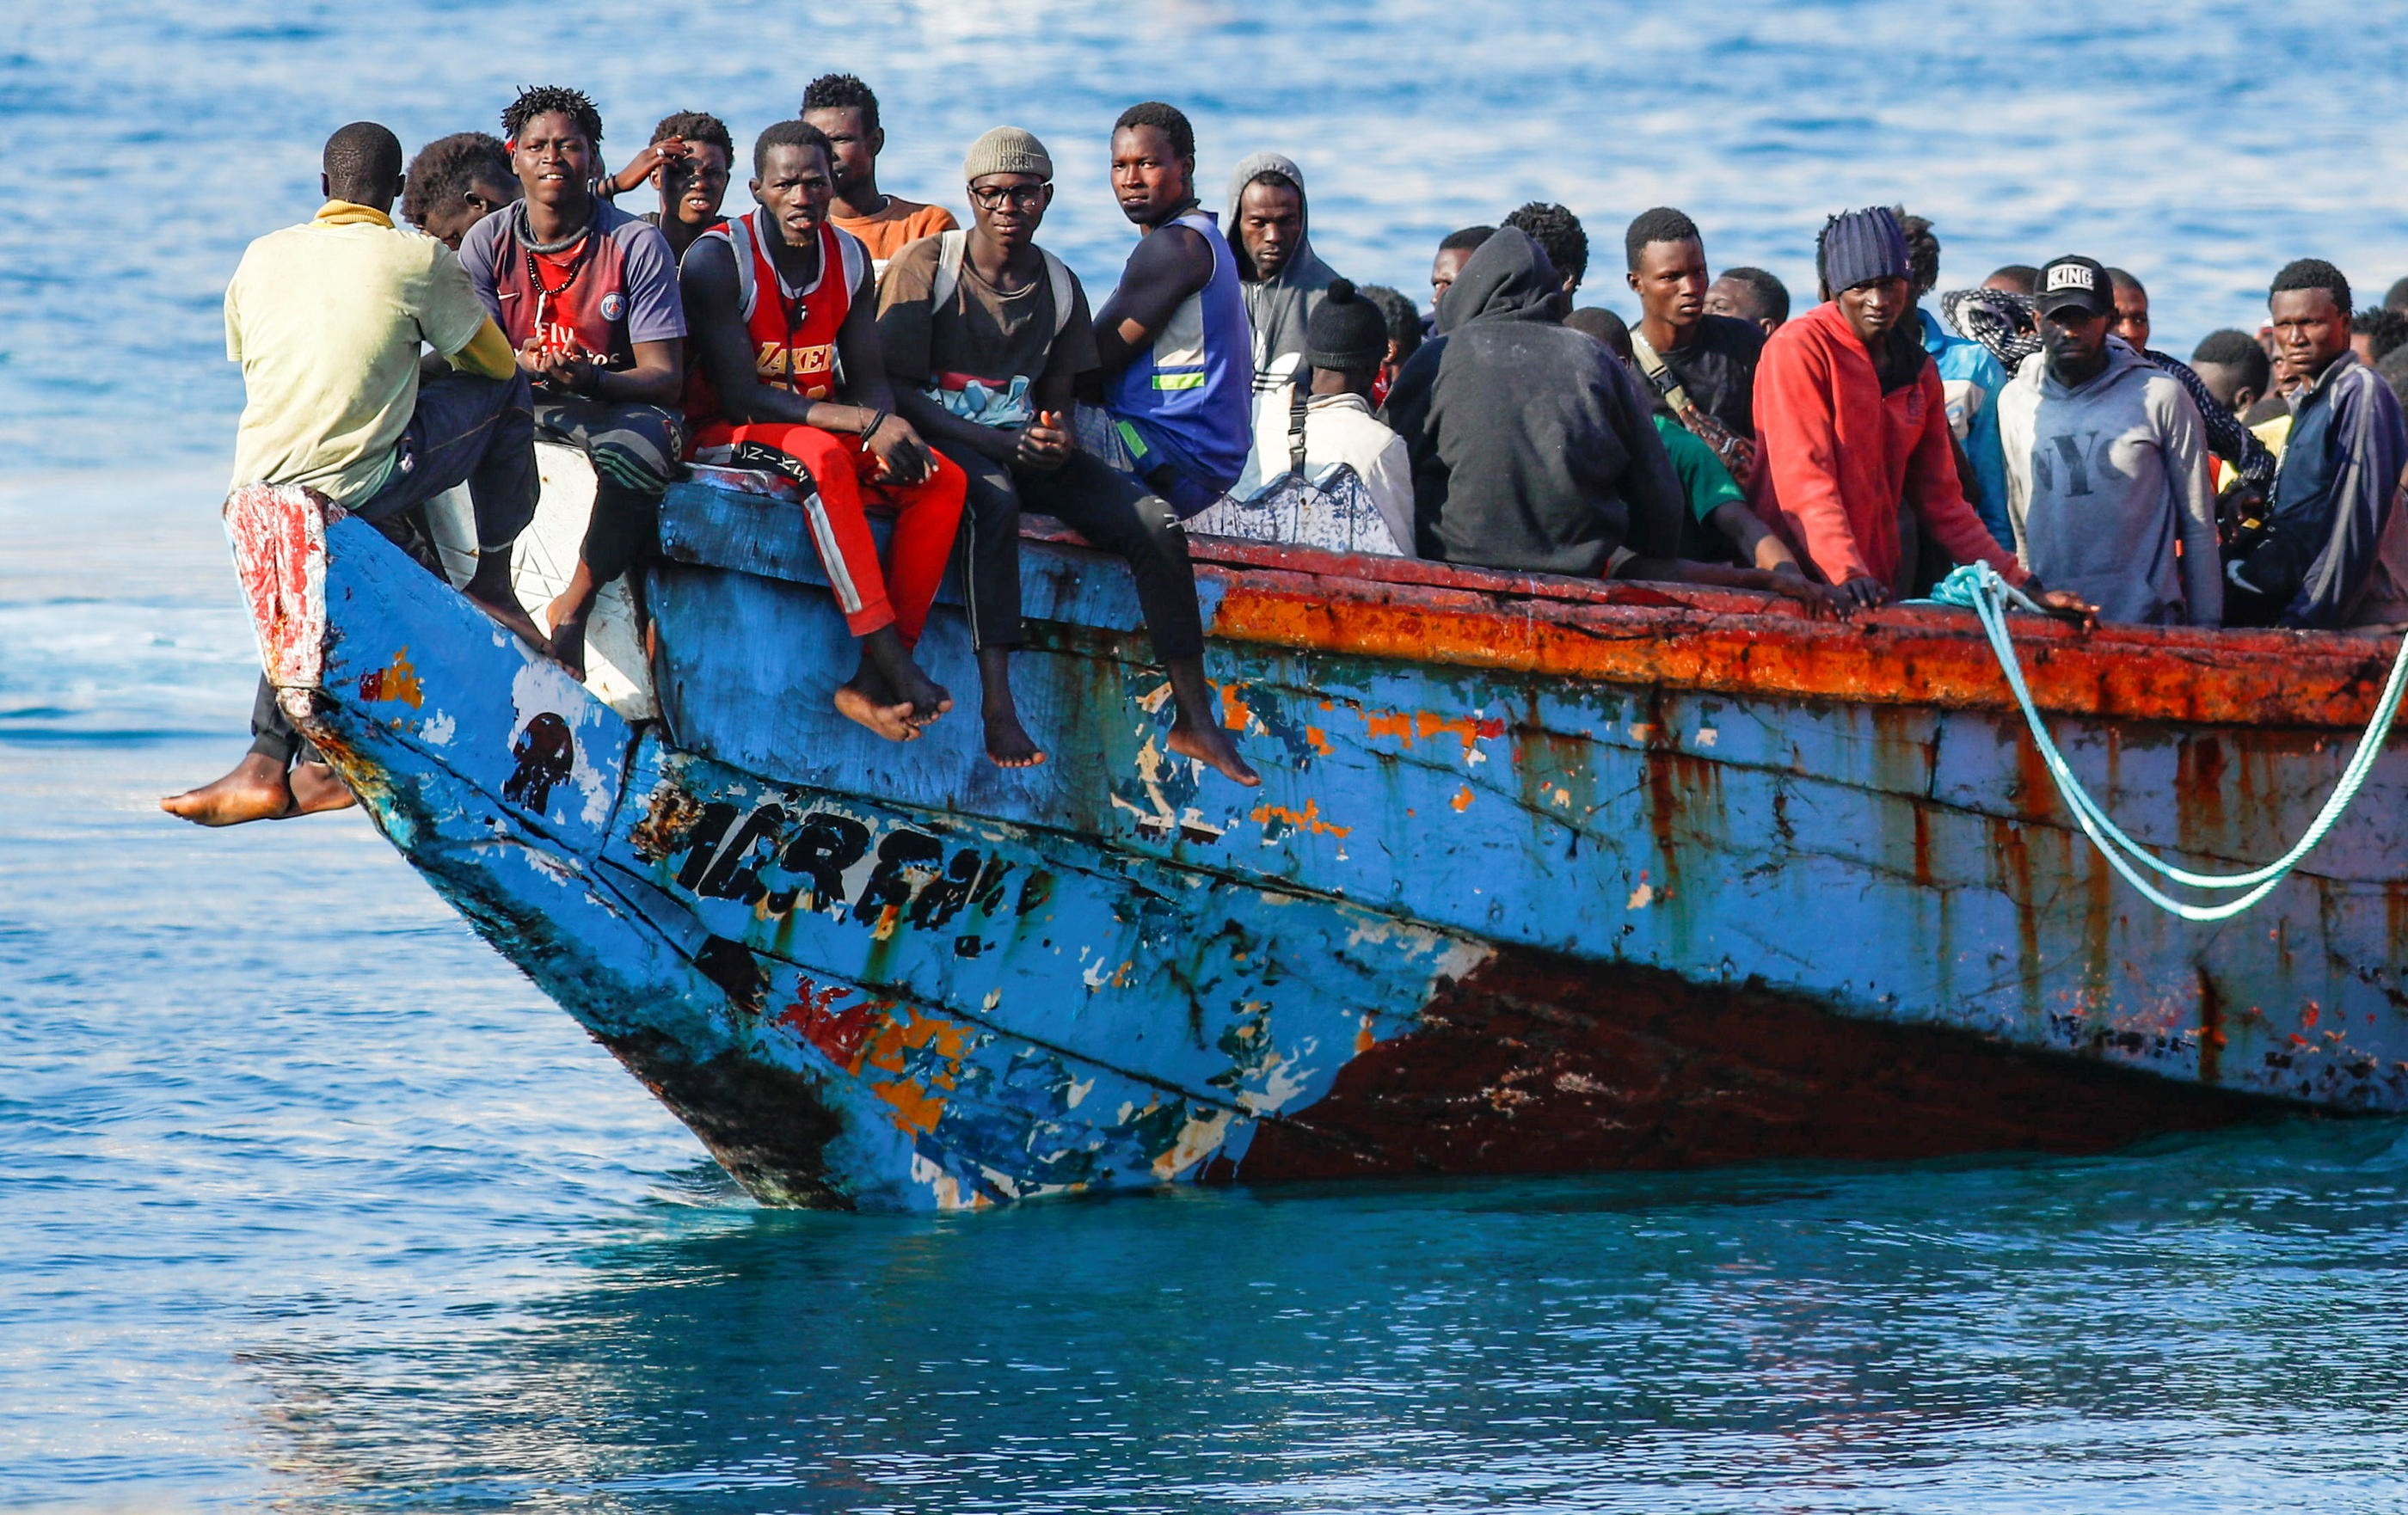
column 568, row 634
column 892, row 721
column 1007, row 743
column 317, row 790
column 1211, row 746
column 254, row 791
column 511, row 617
column 886, row 667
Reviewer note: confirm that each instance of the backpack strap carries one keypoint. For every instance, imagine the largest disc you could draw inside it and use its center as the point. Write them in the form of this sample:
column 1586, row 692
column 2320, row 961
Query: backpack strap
column 1296, row 401
column 1057, row 273
column 739, row 241
column 949, row 247
column 1659, row 373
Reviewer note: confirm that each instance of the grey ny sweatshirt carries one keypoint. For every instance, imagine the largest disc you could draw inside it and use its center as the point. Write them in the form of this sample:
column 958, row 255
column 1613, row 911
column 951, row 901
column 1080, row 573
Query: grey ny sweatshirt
column 2104, row 479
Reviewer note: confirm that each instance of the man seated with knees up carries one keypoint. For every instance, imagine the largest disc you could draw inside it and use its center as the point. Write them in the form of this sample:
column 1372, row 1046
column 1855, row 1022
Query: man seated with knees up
column 456, row 181
column 326, row 320
column 784, row 304
column 1293, row 495
column 1176, row 377
column 588, row 295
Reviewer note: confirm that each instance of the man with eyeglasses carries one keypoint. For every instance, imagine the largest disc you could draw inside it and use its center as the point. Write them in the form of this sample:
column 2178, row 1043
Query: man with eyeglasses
column 986, row 335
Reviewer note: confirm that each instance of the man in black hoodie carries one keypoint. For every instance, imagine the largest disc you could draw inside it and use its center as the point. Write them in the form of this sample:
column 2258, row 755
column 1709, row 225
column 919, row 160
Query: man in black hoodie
column 1532, row 448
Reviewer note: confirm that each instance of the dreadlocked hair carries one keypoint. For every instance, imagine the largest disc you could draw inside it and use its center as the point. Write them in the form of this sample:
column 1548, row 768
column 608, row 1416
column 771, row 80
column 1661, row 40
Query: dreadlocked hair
column 1661, row 224
column 1169, row 120
column 1558, row 234
column 696, row 126
column 841, row 91
column 2312, row 274
column 543, row 98
column 1922, row 250
column 448, row 167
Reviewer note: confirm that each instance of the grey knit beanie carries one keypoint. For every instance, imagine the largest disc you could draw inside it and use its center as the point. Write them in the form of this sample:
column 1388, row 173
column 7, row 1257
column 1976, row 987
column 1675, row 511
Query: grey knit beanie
column 1007, row 149
column 1861, row 246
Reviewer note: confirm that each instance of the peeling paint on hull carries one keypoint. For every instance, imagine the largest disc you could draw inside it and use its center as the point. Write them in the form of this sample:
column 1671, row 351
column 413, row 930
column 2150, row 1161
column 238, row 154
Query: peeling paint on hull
column 1608, row 877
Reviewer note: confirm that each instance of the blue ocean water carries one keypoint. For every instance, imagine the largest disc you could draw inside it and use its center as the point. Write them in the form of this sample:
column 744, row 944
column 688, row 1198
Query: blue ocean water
column 309, row 1202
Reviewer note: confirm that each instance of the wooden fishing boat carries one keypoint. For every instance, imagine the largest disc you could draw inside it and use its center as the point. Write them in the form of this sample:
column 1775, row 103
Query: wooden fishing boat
column 1544, row 875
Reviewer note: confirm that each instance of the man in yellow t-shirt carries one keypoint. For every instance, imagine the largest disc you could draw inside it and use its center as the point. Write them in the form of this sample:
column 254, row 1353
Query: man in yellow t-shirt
column 327, row 320
column 842, row 106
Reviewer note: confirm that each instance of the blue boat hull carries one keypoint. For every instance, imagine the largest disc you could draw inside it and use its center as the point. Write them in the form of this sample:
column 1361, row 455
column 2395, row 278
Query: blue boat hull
column 1475, row 920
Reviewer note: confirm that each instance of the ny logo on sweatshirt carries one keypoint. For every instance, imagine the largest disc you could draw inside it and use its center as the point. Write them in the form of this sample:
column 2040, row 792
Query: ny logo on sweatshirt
column 2076, row 451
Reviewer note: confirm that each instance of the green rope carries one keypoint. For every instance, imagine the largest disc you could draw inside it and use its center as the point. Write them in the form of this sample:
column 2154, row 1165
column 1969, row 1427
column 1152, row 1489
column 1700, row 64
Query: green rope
column 1977, row 587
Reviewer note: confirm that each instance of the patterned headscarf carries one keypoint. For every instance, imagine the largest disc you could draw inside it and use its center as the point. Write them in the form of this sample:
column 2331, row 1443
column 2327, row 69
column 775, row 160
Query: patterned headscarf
column 2006, row 323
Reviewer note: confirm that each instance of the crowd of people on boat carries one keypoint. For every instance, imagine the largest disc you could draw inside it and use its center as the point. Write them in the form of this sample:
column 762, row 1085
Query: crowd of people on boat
column 886, row 358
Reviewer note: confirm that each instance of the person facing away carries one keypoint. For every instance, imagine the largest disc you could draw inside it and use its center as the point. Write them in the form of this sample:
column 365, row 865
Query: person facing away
column 688, row 161
column 1746, row 293
column 327, row 318
column 1853, row 423
column 1283, row 278
column 2336, row 553
column 846, row 112
column 1454, row 249
column 1701, row 367
column 1561, row 236
column 1176, row 372
column 2107, row 465
column 791, row 377
column 1405, row 334
column 1719, row 506
column 456, row 181
column 986, row 335
column 1531, row 445
column 588, row 296
column 1328, row 424
column 1970, row 379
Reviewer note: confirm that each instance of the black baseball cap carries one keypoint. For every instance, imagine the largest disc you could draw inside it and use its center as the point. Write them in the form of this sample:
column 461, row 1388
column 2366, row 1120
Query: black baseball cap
column 2074, row 281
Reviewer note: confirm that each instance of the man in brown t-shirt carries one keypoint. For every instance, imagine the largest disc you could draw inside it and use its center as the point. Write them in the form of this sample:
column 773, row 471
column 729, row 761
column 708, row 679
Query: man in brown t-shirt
column 842, row 106
column 985, row 336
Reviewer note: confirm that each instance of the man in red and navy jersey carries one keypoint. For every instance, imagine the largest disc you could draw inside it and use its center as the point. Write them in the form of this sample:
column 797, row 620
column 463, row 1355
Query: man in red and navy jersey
column 784, row 303
column 588, row 296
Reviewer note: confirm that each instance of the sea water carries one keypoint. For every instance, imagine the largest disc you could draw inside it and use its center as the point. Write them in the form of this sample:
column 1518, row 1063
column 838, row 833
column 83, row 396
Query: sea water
column 309, row 1201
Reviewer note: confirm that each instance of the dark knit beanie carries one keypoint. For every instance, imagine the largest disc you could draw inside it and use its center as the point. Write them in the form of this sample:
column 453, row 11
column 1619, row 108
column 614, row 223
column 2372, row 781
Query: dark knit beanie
column 1347, row 333
column 1861, row 246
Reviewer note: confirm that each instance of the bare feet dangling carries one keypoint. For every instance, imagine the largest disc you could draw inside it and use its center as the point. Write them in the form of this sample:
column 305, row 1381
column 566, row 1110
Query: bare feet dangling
column 567, row 620
column 255, row 790
column 1007, row 743
column 317, row 788
column 1193, row 732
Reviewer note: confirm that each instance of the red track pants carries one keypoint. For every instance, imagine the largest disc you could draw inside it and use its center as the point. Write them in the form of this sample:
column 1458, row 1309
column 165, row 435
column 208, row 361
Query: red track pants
column 928, row 515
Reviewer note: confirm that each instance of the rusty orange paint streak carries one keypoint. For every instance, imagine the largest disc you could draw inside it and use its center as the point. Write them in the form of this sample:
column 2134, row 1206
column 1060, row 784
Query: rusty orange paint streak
column 1234, row 713
column 1893, row 657
column 1308, row 819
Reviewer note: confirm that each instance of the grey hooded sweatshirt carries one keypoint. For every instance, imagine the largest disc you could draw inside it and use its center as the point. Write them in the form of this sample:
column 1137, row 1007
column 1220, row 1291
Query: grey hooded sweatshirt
column 2104, row 479
column 1280, row 305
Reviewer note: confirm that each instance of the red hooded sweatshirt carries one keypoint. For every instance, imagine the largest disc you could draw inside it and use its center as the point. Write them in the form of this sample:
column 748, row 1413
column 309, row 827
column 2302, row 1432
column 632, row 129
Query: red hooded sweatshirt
column 1839, row 455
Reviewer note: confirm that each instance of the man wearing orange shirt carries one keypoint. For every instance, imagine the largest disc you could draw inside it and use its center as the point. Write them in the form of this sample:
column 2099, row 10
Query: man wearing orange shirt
column 843, row 107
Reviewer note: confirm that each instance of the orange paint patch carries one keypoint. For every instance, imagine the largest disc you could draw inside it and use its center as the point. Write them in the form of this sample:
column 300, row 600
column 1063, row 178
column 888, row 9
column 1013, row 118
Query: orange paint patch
column 915, row 1109
column 399, row 682
column 1308, row 819
column 1462, row 800
column 1320, row 740
column 1234, row 713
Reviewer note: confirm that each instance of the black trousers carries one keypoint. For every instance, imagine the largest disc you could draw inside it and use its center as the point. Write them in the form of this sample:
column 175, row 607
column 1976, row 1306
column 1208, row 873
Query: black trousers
column 635, row 451
column 1112, row 511
column 465, row 430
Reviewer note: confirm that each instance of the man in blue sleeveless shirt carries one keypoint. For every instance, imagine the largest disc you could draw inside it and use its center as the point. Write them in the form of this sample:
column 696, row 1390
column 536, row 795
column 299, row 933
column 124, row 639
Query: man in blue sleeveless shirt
column 1177, row 350
column 1177, row 369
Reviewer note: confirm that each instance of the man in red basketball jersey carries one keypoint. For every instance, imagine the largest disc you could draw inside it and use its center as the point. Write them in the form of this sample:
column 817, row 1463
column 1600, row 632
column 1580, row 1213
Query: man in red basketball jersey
column 782, row 302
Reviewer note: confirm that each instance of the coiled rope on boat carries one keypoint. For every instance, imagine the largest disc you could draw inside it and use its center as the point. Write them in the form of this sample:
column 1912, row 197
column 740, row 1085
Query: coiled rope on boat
column 1977, row 587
